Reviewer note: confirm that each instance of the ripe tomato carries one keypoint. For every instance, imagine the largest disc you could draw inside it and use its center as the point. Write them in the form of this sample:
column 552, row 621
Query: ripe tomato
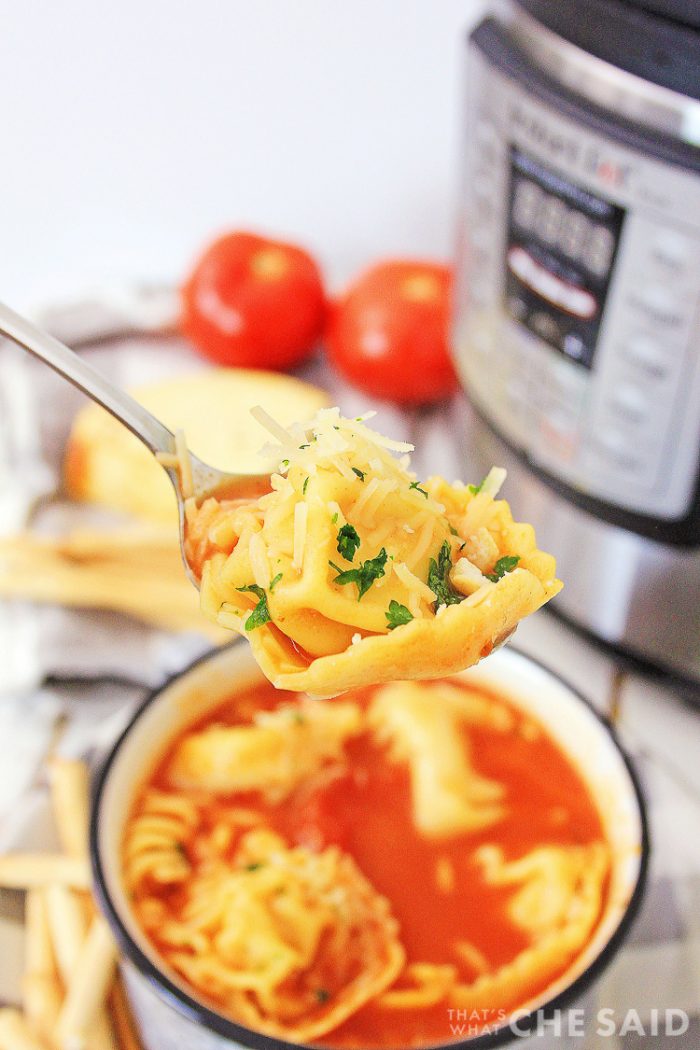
column 388, row 333
column 253, row 302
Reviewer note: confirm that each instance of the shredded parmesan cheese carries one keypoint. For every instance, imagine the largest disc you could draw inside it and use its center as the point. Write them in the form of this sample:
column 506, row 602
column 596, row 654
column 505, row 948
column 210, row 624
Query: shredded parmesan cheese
column 265, row 420
column 301, row 514
column 345, row 470
column 369, row 489
column 379, row 536
column 479, row 596
column 481, row 549
column 373, row 507
column 280, row 484
column 423, row 542
column 228, row 617
column 258, row 560
column 329, row 440
column 412, row 583
column 333, row 509
column 369, row 506
column 467, row 578
column 222, row 533
column 168, row 460
column 492, row 483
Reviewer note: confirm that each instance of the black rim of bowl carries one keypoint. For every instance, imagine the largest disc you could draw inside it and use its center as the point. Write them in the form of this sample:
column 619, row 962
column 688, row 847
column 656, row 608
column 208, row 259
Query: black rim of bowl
column 200, row 1014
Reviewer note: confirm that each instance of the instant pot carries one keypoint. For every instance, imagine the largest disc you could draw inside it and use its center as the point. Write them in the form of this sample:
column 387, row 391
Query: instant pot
column 577, row 323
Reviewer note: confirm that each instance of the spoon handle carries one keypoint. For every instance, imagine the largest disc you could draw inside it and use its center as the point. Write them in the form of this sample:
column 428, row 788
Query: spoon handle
column 86, row 378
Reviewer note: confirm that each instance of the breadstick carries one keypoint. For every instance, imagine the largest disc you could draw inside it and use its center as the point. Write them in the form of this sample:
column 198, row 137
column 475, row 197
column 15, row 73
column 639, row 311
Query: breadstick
column 41, row 991
column 24, row 871
column 68, row 923
column 102, row 1034
column 68, row 779
column 68, row 926
column 87, row 987
column 15, row 1033
column 155, row 590
column 71, row 912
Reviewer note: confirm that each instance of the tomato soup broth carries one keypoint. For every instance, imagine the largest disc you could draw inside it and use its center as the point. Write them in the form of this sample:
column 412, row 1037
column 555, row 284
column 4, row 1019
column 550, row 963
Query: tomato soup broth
column 435, row 886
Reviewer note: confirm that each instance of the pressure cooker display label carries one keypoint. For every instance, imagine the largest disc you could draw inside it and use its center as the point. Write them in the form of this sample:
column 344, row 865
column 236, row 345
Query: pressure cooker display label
column 562, row 243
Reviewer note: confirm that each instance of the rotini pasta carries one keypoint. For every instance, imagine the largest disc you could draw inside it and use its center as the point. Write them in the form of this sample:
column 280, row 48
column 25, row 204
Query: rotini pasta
column 155, row 846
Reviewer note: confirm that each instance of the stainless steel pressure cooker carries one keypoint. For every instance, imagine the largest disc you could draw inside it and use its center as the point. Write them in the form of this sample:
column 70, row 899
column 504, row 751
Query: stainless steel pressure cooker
column 577, row 324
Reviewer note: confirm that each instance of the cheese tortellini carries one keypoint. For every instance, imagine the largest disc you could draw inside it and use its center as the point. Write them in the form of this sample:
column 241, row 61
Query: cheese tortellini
column 350, row 571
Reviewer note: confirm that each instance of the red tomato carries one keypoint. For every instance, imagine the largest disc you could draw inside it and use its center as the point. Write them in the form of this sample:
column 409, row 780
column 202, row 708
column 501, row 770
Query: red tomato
column 388, row 333
column 254, row 302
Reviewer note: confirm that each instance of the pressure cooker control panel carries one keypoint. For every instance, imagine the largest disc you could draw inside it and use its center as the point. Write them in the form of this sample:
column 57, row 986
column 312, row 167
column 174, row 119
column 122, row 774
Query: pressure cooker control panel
column 577, row 326
column 560, row 249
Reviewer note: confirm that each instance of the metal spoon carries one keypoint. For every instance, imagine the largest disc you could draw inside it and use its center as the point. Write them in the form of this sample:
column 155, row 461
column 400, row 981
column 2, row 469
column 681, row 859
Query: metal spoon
column 206, row 480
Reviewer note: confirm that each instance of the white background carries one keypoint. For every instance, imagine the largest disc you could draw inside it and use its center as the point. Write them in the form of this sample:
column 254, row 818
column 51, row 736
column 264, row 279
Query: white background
column 134, row 131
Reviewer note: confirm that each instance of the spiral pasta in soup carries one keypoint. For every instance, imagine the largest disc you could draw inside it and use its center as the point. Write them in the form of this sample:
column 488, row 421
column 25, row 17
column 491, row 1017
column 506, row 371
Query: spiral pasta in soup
column 350, row 571
column 352, row 873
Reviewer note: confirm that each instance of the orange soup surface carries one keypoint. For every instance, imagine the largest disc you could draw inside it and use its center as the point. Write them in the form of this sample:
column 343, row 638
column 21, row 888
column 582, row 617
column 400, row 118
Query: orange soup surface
column 435, row 887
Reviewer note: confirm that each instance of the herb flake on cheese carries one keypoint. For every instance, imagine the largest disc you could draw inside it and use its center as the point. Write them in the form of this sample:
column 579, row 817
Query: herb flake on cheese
column 397, row 615
column 261, row 613
column 348, row 542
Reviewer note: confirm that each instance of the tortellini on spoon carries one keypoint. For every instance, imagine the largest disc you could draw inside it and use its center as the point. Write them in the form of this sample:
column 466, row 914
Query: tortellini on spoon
column 351, row 571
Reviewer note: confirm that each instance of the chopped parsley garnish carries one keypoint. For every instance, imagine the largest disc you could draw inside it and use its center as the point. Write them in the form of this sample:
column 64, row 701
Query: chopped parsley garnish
column 274, row 581
column 360, row 473
column 299, row 718
column 397, row 614
column 335, row 517
column 348, row 542
column 476, row 489
column 416, row 485
column 255, row 866
column 261, row 613
column 439, row 579
column 322, row 995
column 365, row 575
column 453, row 531
column 285, row 462
column 307, row 445
column 303, row 487
column 505, row 564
